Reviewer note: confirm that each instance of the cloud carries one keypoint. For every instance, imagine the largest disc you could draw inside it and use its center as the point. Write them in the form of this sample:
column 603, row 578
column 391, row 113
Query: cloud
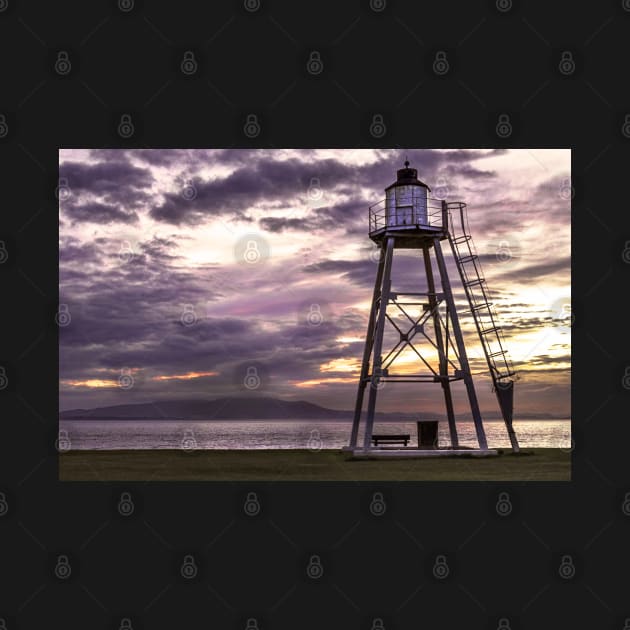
column 535, row 273
column 116, row 182
column 127, row 312
column 95, row 212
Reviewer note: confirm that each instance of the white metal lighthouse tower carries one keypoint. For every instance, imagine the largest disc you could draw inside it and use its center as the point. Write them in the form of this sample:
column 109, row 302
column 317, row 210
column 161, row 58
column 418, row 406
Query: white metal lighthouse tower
column 415, row 338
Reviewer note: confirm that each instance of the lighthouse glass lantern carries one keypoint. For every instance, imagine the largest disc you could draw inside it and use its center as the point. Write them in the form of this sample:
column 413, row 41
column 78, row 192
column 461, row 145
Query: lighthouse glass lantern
column 406, row 200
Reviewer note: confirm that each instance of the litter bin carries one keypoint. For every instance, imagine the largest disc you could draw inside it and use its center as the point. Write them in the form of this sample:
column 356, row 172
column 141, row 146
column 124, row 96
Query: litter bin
column 427, row 434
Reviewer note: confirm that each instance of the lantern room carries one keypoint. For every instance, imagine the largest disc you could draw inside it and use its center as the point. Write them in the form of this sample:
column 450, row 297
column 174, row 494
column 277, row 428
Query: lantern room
column 406, row 200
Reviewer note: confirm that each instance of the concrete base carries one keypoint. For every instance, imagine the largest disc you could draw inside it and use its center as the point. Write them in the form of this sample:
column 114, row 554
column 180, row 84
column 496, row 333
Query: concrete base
column 401, row 453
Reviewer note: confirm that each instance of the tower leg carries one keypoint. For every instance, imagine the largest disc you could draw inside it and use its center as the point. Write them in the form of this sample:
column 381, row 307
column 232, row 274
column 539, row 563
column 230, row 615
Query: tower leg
column 461, row 348
column 369, row 342
column 446, row 386
column 378, row 340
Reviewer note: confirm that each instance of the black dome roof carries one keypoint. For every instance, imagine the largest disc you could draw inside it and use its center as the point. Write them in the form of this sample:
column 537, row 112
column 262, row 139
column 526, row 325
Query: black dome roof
column 407, row 176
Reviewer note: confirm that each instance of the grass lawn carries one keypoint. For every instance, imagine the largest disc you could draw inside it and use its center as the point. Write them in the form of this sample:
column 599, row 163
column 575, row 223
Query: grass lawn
column 542, row 464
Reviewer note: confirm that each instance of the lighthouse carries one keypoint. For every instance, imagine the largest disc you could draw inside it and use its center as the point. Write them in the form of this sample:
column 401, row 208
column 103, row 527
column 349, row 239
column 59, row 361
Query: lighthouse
column 414, row 338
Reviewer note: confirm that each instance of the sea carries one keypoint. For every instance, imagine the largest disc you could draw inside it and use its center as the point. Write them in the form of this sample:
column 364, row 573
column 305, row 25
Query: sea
column 284, row 434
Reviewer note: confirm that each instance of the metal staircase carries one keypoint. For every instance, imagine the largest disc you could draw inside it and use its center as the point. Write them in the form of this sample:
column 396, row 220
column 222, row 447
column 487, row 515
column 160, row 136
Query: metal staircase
column 485, row 317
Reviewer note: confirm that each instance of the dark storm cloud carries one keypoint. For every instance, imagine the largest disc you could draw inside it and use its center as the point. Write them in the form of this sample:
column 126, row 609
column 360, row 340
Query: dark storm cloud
column 95, row 212
column 233, row 195
column 360, row 272
column 178, row 157
column 534, row 273
column 343, row 215
column 116, row 182
column 279, row 224
column 160, row 248
column 263, row 179
column 73, row 251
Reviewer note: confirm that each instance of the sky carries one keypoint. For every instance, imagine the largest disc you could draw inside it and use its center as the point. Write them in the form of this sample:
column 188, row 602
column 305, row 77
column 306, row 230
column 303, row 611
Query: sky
column 238, row 272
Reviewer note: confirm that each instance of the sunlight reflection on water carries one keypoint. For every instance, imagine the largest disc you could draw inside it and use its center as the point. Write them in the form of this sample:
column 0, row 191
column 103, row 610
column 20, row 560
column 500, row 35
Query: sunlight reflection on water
column 264, row 434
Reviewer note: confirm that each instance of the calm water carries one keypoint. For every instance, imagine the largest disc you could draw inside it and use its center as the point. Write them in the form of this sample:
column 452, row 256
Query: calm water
column 262, row 434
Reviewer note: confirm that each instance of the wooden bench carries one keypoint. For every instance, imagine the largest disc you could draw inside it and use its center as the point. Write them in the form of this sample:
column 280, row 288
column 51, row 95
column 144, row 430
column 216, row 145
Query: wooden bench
column 401, row 438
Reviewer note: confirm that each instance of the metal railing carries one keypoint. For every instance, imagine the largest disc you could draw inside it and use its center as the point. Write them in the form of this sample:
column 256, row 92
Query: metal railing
column 402, row 217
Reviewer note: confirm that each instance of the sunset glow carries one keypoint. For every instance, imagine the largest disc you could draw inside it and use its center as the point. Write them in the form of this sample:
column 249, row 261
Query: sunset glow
column 240, row 272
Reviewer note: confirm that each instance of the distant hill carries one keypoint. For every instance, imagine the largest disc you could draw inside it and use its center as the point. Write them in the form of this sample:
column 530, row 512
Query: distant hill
column 255, row 408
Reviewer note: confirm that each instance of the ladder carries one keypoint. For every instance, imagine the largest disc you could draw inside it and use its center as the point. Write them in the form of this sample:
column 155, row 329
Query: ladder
column 484, row 315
